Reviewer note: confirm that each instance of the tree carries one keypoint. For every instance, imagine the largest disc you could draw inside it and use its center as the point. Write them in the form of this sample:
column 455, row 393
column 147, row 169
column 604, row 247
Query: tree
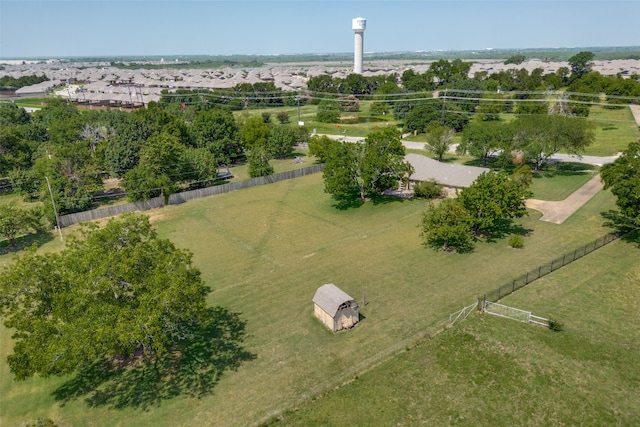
column 446, row 226
column 12, row 115
column 15, row 220
column 283, row 117
column 320, row 147
column 581, row 63
column 515, row 59
column 357, row 170
column 143, row 182
column 493, row 196
column 116, row 291
column 328, row 111
column 255, row 132
column 200, row 167
column 217, row 130
column 439, row 140
column 542, row 136
column 623, row 178
column 259, row 162
column 482, row 139
column 432, row 112
column 281, row 141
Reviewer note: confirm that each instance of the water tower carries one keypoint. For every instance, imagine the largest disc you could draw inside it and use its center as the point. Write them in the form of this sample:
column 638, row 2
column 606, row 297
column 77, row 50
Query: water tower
column 358, row 25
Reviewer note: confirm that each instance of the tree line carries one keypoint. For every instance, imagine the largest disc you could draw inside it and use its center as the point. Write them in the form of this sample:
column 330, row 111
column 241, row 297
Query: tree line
column 155, row 150
column 9, row 82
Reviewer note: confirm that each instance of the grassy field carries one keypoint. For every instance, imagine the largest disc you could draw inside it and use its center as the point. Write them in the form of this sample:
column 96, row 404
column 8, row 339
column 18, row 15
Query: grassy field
column 265, row 251
column 614, row 130
column 492, row 371
column 558, row 181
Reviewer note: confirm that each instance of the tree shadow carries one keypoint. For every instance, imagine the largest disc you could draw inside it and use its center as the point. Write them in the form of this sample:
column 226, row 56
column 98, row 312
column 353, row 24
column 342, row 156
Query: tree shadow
column 347, row 201
column 25, row 241
column 623, row 225
column 385, row 199
column 551, row 169
column 192, row 368
column 504, row 228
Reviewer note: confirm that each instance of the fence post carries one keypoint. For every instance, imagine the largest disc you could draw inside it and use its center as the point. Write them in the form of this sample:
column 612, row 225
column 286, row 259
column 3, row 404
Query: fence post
column 526, row 280
column 539, row 271
column 513, row 286
column 563, row 256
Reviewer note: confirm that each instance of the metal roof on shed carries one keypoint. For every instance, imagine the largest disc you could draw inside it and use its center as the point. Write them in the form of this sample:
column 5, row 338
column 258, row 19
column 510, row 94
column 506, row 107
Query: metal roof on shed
column 329, row 298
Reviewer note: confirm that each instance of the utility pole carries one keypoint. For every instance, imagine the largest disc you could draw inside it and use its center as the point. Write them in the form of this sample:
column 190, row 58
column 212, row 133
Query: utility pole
column 55, row 211
column 444, row 103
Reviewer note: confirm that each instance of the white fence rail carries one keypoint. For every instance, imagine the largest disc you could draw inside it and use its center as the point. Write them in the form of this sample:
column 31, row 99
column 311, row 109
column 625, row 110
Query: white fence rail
column 513, row 313
column 462, row 314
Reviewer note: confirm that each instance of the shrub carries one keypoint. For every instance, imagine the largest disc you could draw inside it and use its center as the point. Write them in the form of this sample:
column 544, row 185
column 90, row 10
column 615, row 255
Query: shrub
column 283, row 117
column 555, row 326
column 427, row 189
column 516, row 241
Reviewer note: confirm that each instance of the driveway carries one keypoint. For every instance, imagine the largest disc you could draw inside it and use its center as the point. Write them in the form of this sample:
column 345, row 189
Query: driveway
column 557, row 212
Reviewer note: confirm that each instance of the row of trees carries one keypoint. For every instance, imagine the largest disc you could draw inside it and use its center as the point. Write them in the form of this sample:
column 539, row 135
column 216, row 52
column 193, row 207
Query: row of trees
column 155, row 150
column 9, row 82
column 533, row 139
column 485, row 94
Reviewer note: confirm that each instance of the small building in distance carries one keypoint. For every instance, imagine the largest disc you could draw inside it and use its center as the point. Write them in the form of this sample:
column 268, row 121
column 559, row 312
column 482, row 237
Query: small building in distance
column 335, row 308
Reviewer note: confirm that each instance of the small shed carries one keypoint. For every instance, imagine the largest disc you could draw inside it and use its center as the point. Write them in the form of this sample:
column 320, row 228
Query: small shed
column 335, row 308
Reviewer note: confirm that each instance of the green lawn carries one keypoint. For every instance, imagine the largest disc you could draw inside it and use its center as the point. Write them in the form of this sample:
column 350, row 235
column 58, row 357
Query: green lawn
column 614, row 130
column 265, row 251
column 560, row 180
column 488, row 370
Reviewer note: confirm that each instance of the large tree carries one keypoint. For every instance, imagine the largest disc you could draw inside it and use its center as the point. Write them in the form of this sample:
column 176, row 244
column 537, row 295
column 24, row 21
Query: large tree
column 217, row 130
column 581, row 63
column 446, row 226
column 439, row 140
column 483, row 139
column 358, row 170
column 623, row 178
column 116, row 291
column 282, row 141
column 542, row 136
column 16, row 220
column 492, row 197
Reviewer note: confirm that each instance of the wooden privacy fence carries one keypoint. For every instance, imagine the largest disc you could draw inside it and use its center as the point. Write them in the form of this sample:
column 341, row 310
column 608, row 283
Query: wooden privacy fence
column 177, row 198
column 74, row 218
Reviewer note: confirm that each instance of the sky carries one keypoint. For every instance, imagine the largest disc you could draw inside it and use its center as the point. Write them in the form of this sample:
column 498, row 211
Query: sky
column 71, row 28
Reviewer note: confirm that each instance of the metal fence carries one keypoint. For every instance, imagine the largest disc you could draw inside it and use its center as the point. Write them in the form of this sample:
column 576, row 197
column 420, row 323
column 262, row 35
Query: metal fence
column 158, row 202
column 545, row 269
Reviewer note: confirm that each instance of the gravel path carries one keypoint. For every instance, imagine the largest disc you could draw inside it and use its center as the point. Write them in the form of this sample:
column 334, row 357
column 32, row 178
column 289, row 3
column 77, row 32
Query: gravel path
column 557, row 212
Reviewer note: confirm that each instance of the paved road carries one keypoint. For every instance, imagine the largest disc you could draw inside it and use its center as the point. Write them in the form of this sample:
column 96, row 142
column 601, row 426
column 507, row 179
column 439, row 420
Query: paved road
column 591, row 160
